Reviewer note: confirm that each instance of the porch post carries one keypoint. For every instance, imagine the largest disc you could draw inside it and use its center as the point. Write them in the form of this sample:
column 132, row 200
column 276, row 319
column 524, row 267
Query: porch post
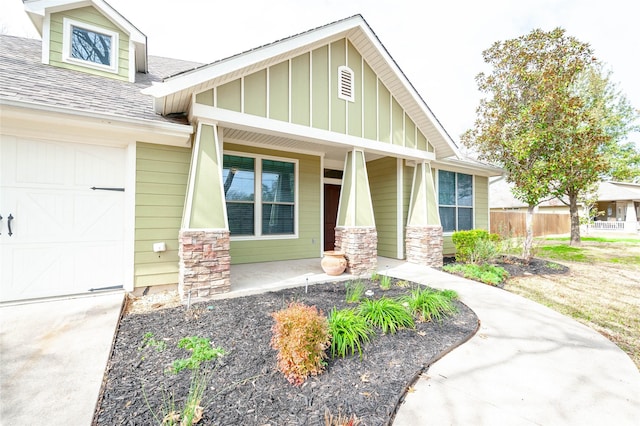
column 205, row 263
column 356, row 234
column 424, row 241
column 631, row 219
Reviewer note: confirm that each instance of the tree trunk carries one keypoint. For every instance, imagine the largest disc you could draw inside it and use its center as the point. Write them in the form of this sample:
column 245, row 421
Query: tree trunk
column 575, row 220
column 528, row 239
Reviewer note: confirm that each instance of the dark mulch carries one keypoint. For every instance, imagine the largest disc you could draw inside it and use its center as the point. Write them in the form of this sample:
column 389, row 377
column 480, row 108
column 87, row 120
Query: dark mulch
column 246, row 388
column 516, row 267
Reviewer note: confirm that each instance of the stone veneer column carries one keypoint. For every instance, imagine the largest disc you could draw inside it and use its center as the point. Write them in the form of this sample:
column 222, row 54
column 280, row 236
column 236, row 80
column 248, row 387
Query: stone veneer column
column 360, row 248
column 205, row 264
column 424, row 245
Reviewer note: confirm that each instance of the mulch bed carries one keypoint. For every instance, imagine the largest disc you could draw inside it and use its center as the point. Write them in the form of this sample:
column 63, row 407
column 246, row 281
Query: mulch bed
column 246, row 388
column 516, row 267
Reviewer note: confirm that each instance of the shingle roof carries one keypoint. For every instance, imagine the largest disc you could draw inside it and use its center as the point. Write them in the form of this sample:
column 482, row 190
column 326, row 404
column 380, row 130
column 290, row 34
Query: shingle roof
column 24, row 78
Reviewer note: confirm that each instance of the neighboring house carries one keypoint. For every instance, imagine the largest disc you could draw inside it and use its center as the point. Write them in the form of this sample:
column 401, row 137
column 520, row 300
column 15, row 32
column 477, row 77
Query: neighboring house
column 502, row 199
column 619, row 205
column 120, row 169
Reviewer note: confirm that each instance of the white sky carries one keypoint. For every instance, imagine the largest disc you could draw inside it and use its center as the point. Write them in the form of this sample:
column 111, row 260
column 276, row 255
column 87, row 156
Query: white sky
column 438, row 45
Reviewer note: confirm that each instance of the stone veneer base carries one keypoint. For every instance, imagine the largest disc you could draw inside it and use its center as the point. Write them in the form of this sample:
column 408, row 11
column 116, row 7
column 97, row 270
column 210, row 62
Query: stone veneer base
column 205, row 264
column 424, row 245
column 360, row 248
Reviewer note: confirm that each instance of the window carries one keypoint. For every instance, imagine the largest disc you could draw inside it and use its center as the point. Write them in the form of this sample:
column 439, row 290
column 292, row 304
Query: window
column 269, row 211
column 89, row 45
column 455, row 199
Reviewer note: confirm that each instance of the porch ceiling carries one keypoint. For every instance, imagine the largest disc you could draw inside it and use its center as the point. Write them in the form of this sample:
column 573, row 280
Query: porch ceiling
column 331, row 153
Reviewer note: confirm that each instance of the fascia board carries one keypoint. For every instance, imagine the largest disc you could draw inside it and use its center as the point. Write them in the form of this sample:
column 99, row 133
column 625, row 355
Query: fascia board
column 225, row 66
column 472, row 168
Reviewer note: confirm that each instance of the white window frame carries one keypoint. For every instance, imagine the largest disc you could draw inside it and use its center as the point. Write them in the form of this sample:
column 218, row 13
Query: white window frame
column 68, row 24
column 456, row 206
column 257, row 202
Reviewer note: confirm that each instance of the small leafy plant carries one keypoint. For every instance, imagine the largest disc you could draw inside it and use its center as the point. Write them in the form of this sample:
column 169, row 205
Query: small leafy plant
column 488, row 274
column 387, row 314
column 301, row 336
column 148, row 340
column 428, row 305
column 385, row 282
column 355, row 290
column 201, row 350
column 348, row 332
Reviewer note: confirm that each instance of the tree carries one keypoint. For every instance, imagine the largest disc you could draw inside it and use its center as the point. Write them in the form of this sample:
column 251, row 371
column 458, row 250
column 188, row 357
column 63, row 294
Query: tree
column 625, row 163
column 543, row 120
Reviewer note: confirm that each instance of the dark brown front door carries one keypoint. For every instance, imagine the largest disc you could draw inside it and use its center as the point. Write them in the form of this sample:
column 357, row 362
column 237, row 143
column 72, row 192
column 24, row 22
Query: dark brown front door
column 331, row 201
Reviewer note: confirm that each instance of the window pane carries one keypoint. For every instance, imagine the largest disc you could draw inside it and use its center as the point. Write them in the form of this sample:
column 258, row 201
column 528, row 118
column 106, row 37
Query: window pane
column 465, row 190
column 448, row 219
column 446, row 188
column 239, row 178
column 465, row 219
column 278, row 181
column 277, row 219
column 90, row 46
column 240, row 218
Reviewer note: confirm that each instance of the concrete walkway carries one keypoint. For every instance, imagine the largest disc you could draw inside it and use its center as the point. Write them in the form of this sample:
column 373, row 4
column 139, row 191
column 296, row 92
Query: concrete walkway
column 53, row 358
column 527, row 365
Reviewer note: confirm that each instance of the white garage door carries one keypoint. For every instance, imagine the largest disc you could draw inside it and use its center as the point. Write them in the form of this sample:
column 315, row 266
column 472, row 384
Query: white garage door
column 57, row 235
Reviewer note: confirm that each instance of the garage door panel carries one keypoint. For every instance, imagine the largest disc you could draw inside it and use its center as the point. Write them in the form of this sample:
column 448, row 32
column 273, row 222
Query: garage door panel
column 67, row 238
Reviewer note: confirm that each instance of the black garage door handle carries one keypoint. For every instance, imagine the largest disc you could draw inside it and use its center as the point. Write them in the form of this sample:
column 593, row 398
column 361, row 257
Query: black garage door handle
column 9, row 223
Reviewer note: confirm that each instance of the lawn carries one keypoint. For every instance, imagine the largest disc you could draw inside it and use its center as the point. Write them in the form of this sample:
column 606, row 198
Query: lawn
column 601, row 289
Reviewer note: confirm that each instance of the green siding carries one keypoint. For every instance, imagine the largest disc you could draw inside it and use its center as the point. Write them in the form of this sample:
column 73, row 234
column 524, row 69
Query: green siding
column 481, row 202
column 255, row 93
column 205, row 98
column 422, row 141
column 228, row 96
column 397, row 123
column 410, row 132
column 279, row 91
column 88, row 15
column 338, row 106
column 162, row 173
column 384, row 108
column 320, row 88
column 307, row 245
column 355, row 108
column 370, row 103
column 383, row 179
column 301, row 90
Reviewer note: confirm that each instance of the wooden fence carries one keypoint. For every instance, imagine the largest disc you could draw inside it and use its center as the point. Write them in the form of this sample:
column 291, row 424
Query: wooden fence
column 513, row 224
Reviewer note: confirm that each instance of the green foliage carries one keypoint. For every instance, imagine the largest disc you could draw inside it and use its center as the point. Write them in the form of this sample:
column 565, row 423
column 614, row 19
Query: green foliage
column 301, row 336
column 348, row 332
column 201, row 351
column 355, row 290
column 475, row 246
column 191, row 412
column 385, row 282
column 148, row 340
column 428, row 305
column 387, row 314
column 450, row 294
column 488, row 274
column 552, row 118
column 562, row 252
column 375, row 276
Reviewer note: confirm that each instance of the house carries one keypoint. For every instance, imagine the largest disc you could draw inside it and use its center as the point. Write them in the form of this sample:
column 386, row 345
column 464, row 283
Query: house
column 502, row 199
column 618, row 206
column 120, row 169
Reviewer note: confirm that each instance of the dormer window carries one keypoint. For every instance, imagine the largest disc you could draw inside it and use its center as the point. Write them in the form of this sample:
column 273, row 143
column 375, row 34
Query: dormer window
column 91, row 46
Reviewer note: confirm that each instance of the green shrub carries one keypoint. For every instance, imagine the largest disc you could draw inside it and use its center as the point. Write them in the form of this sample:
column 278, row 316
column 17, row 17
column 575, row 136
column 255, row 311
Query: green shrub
column 301, row 336
column 348, row 332
column 475, row 246
column 385, row 282
column 386, row 313
column 450, row 294
column 427, row 304
column 355, row 290
column 201, row 350
column 488, row 274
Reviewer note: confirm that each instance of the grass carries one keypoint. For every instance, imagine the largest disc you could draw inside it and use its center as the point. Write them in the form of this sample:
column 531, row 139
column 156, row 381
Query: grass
column 430, row 305
column 488, row 274
column 348, row 332
column 387, row 314
column 355, row 290
column 602, row 289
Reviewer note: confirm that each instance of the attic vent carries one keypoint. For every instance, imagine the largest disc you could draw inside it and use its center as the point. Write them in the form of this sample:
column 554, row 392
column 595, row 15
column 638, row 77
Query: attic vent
column 345, row 84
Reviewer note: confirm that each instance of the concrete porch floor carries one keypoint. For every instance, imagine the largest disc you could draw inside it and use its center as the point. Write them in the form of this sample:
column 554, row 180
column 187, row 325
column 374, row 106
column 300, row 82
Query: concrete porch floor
column 254, row 278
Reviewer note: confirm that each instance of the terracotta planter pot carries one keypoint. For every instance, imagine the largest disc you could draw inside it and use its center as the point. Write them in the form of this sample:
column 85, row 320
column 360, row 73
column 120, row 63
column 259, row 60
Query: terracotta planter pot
column 333, row 262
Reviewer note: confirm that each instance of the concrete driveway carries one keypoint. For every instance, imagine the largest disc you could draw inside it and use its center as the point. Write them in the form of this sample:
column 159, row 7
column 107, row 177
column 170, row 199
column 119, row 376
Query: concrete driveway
column 53, row 355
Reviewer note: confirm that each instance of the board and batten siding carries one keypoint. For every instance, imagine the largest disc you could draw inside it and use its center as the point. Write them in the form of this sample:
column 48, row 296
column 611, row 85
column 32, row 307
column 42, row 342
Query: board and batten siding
column 162, row 173
column 308, row 243
column 304, row 90
column 91, row 16
column 383, row 181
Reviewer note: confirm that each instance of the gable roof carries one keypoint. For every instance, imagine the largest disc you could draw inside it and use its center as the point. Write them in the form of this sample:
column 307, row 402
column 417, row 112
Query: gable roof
column 25, row 80
column 618, row 191
column 174, row 94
